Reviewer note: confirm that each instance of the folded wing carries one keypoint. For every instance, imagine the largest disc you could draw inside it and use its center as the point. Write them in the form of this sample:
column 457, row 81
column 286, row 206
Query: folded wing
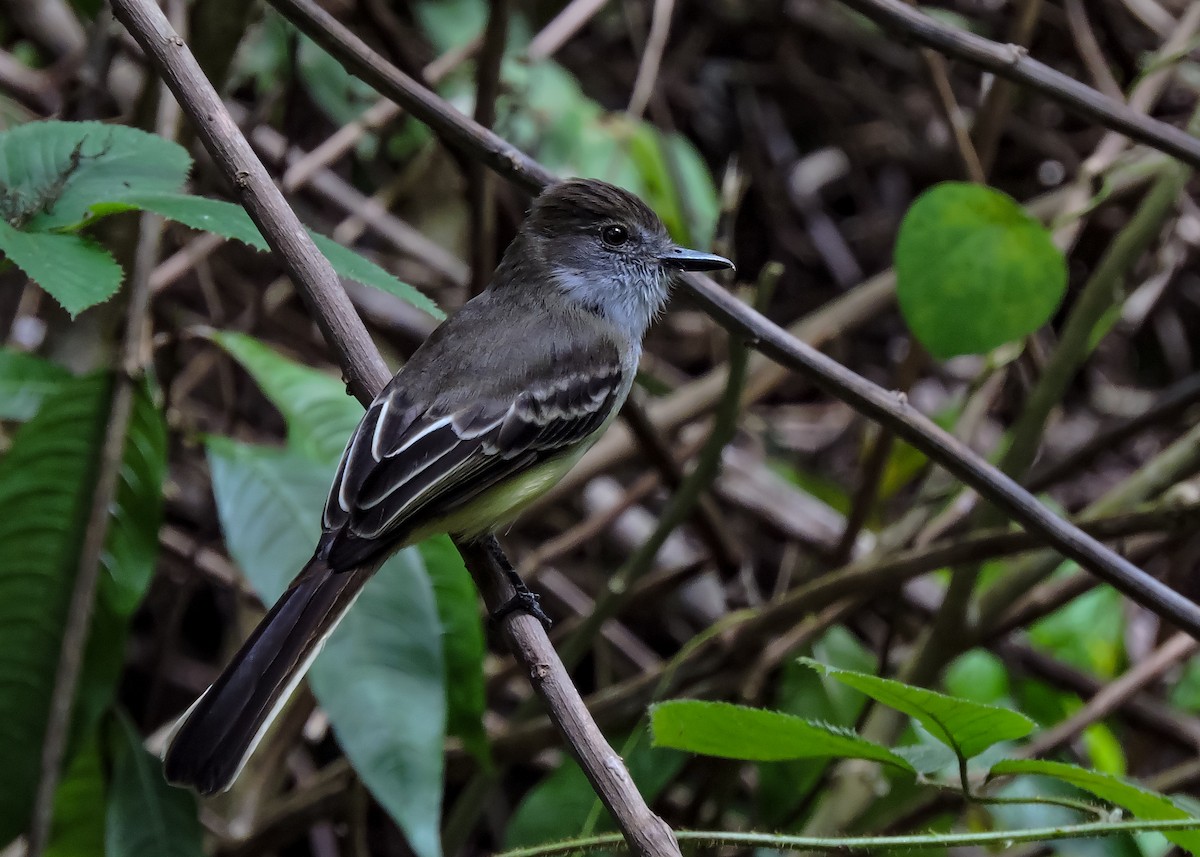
column 404, row 467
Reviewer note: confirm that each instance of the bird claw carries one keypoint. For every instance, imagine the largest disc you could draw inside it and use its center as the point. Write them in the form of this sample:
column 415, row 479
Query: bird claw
column 524, row 601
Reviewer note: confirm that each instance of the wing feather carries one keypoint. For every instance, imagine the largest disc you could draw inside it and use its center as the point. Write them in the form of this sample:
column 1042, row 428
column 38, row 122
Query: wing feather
column 403, row 468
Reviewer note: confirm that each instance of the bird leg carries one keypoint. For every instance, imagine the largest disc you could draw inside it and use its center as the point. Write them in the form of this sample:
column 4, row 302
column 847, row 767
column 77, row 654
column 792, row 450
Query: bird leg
column 524, row 600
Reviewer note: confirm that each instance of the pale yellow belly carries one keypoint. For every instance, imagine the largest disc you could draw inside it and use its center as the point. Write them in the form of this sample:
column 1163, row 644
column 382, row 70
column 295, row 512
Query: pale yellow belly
column 503, row 503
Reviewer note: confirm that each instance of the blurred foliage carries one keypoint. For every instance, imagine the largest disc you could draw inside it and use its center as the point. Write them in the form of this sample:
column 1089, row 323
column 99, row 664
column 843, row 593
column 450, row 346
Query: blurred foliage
column 402, row 682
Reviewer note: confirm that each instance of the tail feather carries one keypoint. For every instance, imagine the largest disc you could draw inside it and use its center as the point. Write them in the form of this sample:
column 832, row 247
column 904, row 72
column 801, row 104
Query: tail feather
column 218, row 733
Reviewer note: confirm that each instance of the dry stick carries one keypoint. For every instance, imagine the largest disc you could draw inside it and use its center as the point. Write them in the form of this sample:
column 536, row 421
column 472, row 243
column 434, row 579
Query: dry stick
column 989, row 123
column 939, row 77
column 1113, row 695
column 860, row 582
column 765, row 335
column 1013, row 62
column 564, row 25
column 656, row 43
column 1089, row 50
column 482, row 200
column 646, row 833
column 706, row 516
column 1168, row 406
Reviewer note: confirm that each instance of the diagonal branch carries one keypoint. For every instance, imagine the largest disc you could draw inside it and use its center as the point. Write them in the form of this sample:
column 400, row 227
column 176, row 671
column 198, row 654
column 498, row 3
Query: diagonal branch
column 772, row 340
column 646, row 833
column 1012, row 62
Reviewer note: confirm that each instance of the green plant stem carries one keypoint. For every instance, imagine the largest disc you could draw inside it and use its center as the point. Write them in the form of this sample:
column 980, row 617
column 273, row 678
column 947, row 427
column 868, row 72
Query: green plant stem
column 871, row 844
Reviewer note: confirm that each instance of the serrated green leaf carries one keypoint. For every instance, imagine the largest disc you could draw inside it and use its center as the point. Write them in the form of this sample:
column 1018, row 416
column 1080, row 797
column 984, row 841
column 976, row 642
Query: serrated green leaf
column 360, row 269
column 756, row 735
column 231, row 221
column 76, row 272
column 463, row 642
column 319, row 413
column 56, row 171
column 147, row 817
column 381, row 677
column 974, row 271
column 1141, row 802
column 25, row 380
column 966, row 727
column 46, row 483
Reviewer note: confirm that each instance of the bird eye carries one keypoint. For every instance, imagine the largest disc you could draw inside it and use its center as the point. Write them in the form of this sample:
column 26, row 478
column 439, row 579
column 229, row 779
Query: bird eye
column 614, row 235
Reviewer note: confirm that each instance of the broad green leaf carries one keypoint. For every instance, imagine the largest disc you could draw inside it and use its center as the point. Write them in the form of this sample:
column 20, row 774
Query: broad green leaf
column 676, row 183
column 77, row 829
column 800, row 692
column 1141, row 802
column 463, row 642
column 545, row 112
column 24, row 381
column 559, row 806
column 147, row 817
column 46, row 483
column 76, row 272
column 381, row 676
column 231, row 221
column 54, row 172
column 320, row 417
column 974, row 271
column 966, row 727
column 756, row 735
column 319, row 413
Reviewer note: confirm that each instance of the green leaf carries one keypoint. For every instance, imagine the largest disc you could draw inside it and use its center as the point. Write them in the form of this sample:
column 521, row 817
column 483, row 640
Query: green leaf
column 463, row 642
column 974, row 271
column 25, row 380
column 1143, row 803
column 73, row 270
column 559, row 806
column 78, row 822
column 381, row 676
column 756, row 735
column 46, row 483
column 54, row 172
column 147, row 817
column 319, row 413
column 966, row 727
column 320, row 417
column 231, row 221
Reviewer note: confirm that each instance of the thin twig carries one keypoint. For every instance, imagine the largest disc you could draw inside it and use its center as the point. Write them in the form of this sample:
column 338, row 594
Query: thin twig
column 314, row 277
column 656, row 43
column 765, row 335
column 1110, row 698
column 482, row 203
column 1014, row 63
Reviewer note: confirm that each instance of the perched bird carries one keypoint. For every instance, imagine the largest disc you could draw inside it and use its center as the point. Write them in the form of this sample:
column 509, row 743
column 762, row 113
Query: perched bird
column 492, row 410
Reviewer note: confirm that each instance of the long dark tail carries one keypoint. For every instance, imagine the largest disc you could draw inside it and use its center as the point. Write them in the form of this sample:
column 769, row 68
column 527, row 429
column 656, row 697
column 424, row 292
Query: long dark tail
column 219, row 732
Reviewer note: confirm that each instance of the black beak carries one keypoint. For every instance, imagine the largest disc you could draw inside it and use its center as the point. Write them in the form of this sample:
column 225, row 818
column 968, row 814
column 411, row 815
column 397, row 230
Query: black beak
column 682, row 259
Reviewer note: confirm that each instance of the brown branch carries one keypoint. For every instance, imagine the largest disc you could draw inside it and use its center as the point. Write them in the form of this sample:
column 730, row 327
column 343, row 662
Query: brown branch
column 315, row 279
column 1013, row 62
column 768, row 337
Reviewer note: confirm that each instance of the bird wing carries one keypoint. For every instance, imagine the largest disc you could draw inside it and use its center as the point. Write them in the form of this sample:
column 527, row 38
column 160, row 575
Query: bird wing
column 407, row 464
